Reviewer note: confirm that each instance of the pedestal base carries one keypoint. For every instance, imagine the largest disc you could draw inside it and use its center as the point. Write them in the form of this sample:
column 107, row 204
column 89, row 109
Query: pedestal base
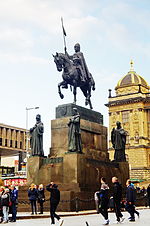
column 33, row 167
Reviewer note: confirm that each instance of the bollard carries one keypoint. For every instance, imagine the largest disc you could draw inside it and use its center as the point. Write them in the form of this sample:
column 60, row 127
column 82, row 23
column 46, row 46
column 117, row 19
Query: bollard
column 77, row 204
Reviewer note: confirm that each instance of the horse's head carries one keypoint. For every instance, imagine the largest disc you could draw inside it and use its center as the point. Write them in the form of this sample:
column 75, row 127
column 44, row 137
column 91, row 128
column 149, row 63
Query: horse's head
column 58, row 61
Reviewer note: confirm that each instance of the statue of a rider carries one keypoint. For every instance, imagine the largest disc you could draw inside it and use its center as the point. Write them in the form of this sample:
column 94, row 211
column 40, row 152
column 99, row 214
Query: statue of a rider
column 80, row 63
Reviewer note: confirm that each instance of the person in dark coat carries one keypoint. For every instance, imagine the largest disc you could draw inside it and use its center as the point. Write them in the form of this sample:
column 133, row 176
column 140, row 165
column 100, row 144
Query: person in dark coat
column 104, row 200
column 148, row 194
column 41, row 197
column 14, row 202
column 33, row 195
column 117, row 196
column 54, row 201
column 5, row 200
column 130, row 200
column 1, row 208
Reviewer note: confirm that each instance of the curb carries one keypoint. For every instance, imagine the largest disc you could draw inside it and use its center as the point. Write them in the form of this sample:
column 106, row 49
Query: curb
column 66, row 214
column 61, row 215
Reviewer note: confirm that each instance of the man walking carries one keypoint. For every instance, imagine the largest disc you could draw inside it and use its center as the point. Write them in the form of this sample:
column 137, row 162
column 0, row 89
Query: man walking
column 54, row 201
column 117, row 196
column 148, row 195
column 130, row 200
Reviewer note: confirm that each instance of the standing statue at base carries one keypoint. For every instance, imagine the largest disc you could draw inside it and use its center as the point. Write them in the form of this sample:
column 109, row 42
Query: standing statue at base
column 37, row 137
column 74, row 134
column 118, row 139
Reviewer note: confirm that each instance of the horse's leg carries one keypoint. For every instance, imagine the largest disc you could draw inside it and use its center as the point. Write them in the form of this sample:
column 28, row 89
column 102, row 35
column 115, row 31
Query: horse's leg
column 84, row 91
column 89, row 96
column 59, row 89
column 87, row 93
column 75, row 94
column 91, row 107
column 74, row 91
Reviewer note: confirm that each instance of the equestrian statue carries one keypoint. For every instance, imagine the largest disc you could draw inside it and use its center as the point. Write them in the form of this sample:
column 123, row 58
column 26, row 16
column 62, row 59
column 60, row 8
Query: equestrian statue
column 75, row 72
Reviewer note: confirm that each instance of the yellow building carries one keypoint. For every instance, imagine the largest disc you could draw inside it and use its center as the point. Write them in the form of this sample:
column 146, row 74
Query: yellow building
column 131, row 106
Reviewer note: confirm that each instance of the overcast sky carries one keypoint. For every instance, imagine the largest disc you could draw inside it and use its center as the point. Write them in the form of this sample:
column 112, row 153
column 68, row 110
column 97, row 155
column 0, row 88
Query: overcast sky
column 111, row 33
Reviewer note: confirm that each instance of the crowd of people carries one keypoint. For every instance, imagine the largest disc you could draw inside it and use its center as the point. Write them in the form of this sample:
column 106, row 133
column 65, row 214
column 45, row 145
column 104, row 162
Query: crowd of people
column 8, row 204
column 102, row 200
column 38, row 194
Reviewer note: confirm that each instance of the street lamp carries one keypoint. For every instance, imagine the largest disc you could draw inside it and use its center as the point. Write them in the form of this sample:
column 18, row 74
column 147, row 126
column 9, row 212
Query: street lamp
column 27, row 109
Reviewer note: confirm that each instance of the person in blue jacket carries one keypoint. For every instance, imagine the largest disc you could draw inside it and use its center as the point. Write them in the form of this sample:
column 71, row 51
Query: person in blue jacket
column 33, row 195
column 14, row 202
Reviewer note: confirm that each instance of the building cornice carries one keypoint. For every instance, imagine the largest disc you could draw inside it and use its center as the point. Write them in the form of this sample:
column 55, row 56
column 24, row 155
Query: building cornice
column 133, row 147
column 127, row 101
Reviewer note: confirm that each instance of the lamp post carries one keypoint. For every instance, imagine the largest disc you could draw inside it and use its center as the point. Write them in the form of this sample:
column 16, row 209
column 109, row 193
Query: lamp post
column 27, row 109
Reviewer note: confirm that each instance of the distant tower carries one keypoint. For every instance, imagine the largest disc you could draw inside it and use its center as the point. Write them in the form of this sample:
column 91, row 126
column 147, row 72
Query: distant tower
column 132, row 109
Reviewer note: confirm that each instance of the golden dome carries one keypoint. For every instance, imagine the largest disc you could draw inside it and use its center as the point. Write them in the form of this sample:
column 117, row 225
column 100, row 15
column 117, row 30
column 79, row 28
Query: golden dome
column 131, row 79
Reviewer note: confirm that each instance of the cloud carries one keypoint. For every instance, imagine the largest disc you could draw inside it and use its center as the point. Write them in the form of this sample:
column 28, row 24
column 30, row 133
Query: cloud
column 12, row 58
column 15, row 39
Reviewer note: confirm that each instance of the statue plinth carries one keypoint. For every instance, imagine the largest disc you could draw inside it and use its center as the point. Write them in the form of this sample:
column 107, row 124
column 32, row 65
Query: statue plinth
column 66, row 110
column 34, row 164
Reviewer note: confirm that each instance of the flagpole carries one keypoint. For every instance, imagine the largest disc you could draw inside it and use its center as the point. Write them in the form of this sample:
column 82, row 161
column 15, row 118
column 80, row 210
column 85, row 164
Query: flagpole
column 64, row 34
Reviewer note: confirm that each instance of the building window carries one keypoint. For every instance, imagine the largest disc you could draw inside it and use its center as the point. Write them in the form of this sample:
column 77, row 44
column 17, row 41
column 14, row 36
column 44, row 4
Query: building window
column 0, row 141
column 11, row 143
column 127, row 139
column 125, row 116
column 5, row 142
column 148, row 123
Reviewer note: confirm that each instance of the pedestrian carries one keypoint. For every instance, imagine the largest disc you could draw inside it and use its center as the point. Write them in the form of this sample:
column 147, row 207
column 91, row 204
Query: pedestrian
column 1, row 208
column 97, row 200
column 148, row 194
column 14, row 202
column 143, row 193
column 130, row 200
column 33, row 195
column 54, row 201
column 117, row 197
column 41, row 197
column 104, row 200
column 5, row 200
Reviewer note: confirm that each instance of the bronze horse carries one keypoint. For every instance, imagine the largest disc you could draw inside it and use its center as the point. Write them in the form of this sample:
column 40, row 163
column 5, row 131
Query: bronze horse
column 71, row 77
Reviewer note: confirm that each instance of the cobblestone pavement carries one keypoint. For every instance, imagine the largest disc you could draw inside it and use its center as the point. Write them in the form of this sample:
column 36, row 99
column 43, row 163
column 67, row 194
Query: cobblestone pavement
column 93, row 220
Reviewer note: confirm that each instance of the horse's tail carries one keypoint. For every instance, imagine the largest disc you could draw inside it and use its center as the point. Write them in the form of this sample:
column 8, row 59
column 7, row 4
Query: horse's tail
column 70, row 88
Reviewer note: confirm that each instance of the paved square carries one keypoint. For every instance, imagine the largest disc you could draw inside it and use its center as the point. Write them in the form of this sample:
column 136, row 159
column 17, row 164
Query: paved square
column 93, row 220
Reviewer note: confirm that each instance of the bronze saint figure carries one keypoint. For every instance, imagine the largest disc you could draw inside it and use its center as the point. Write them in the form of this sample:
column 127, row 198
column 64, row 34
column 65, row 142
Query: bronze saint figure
column 118, row 139
column 37, row 137
column 74, row 133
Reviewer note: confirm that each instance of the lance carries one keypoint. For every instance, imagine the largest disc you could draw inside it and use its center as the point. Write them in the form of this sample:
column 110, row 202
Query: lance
column 64, row 34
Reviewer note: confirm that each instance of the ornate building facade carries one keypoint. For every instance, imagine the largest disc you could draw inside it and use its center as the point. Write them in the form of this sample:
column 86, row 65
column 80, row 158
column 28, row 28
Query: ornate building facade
column 131, row 106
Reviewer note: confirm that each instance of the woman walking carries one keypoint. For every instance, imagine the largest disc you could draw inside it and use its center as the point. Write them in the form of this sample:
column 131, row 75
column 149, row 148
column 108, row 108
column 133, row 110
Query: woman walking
column 104, row 200
column 33, row 194
column 41, row 197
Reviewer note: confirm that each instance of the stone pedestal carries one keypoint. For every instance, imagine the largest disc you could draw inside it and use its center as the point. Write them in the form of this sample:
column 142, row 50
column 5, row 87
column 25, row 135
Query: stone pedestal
column 93, row 133
column 34, row 164
column 78, row 175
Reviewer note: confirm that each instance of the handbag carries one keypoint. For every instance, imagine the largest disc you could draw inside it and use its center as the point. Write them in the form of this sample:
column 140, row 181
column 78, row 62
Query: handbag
column 10, row 203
